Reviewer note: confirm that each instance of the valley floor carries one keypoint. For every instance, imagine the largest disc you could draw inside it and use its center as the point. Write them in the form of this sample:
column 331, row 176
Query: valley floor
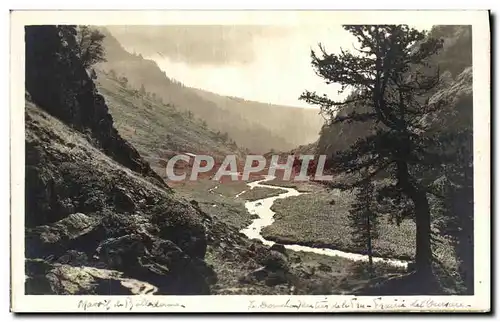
column 309, row 273
column 317, row 218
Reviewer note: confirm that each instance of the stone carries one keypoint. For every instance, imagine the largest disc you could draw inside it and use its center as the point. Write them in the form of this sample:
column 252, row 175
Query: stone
column 123, row 201
column 324, row 268
column 59, row 279
column 276, row 278
column 159, row 262
column 279, row 248
column 259, row 274
column 275, row 261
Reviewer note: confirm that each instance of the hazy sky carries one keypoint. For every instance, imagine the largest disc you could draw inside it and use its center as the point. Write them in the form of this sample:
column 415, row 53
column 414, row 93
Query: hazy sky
column 263, row 63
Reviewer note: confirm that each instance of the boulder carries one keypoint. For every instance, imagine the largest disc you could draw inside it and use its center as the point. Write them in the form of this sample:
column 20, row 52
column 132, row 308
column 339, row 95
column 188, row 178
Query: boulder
column 276, row 278
column 62, row 279
column 75, row 231
column 181, row 224
column 259, row 274
column 279, row 248
column 276, row 261
column 158, row 261
column 74, row 258
column 123, row 200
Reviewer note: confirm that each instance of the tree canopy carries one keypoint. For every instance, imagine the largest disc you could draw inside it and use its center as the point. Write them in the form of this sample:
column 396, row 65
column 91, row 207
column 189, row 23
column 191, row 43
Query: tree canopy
column 89, row 46
column 389, row 74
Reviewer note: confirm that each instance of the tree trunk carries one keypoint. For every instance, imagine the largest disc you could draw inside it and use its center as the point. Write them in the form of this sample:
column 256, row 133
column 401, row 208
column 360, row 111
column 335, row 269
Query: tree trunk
column 423, row 256
column 369, row 245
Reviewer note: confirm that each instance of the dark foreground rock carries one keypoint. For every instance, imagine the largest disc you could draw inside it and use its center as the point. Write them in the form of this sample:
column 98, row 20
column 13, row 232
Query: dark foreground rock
column 275, row 269
column 148, row 235
column 279, row 248
column 95, row 211
column 59, row 279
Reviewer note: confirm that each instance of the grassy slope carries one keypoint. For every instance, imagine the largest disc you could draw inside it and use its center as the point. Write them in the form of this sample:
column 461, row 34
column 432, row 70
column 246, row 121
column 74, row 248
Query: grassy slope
column 301, row 186
column 158, row 130
column 218, row 202
column 311, row 219
column 260, row 193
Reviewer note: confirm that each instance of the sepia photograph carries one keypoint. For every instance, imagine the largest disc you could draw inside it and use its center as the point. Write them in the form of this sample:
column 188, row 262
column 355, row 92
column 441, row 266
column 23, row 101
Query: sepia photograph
column 285, row 161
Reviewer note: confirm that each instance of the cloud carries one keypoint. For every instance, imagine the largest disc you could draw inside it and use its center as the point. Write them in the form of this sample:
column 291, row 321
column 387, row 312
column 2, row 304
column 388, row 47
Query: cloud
column 263, row 63
column 197, row 44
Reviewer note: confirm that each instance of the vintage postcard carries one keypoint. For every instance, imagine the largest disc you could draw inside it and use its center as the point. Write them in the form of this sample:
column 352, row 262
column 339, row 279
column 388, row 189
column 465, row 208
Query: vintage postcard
column 260, row 161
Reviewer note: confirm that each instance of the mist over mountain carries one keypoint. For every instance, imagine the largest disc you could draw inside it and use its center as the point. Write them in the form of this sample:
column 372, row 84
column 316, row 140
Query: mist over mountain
column 256, row 126
column 196, row 44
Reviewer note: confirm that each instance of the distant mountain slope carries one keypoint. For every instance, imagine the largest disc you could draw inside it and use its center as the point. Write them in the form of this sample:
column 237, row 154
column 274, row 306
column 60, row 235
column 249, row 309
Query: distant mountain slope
column 454, row 61
column 257, row 126
column 158, row 130
column 298, row 125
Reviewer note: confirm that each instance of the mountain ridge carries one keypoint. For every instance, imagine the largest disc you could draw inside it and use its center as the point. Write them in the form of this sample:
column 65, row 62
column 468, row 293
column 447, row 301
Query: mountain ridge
column 257, row 126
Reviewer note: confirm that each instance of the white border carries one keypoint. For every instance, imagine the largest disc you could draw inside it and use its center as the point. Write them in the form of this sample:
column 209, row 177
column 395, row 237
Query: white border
column 481, row 58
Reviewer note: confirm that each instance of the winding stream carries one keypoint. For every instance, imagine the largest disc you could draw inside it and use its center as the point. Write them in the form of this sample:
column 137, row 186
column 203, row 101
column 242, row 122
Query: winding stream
column 262, row 208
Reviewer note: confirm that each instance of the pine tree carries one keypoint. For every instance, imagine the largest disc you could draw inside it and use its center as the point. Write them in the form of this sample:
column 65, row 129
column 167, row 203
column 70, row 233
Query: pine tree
column 89, row 46
column 364, row 221
column 124, row 81
column 390, row 76
column 142, row 91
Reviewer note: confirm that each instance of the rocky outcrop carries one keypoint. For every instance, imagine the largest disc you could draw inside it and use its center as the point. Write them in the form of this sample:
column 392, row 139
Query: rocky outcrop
column 275, row 267
column 280, row 248
column 87, row 210
column 59, row 279
column 98, row 219
column 57, row 82
column 458, row 92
